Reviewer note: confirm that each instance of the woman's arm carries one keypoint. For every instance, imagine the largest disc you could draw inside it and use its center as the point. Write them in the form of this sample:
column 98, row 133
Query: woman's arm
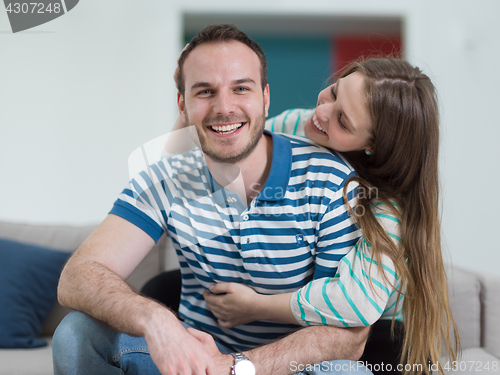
column 235, row 304
column 360, row 292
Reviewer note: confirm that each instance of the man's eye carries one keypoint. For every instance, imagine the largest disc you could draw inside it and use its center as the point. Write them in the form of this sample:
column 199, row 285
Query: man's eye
column 241, row 89
column 204, row 92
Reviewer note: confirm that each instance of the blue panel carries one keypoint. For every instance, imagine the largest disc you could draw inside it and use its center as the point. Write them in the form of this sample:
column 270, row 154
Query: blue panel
column 298, row 69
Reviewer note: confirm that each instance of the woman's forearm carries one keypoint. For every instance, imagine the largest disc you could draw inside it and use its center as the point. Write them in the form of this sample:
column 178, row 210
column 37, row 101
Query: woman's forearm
column 276, row 308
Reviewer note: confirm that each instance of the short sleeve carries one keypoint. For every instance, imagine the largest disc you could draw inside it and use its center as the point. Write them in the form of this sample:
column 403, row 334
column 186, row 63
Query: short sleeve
column 289, row 122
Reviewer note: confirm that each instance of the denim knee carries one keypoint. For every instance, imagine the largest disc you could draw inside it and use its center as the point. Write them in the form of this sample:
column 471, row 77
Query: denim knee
column 72, row 332
column 80, row 346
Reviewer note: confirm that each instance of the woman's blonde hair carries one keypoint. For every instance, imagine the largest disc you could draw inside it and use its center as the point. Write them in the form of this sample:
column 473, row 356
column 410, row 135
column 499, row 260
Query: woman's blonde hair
column 403, row 169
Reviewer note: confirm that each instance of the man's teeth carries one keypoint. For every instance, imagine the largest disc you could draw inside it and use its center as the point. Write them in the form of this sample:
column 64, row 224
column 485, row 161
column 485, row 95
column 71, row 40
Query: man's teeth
column 316, row 123
column 226, row 129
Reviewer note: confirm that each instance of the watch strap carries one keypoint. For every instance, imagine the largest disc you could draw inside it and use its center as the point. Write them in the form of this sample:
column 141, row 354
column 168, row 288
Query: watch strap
column 239, row 357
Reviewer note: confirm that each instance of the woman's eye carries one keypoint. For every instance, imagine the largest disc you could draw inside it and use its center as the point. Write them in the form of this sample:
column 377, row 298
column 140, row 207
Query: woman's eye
column 341, row 123
column 333, row 93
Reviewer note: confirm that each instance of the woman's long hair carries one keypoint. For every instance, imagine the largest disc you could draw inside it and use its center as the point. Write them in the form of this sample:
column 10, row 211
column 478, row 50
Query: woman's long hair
column 403, row 169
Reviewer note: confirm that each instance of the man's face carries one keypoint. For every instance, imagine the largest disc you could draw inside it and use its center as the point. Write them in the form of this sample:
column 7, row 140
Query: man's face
column 224, row 99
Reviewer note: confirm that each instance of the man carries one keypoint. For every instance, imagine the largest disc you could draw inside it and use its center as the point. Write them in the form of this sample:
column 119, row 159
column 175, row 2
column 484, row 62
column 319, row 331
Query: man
column 285, row 225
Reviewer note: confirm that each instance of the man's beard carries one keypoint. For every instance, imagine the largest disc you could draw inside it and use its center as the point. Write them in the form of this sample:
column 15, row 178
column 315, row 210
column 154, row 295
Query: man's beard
column 256, row 133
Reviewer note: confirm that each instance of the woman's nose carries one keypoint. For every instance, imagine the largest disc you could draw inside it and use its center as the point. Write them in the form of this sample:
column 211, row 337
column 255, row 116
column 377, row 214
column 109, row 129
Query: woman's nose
column 324, row 97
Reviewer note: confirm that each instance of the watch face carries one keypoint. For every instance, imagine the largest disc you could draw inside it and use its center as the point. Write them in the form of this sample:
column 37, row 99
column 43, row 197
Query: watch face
column 244, row 367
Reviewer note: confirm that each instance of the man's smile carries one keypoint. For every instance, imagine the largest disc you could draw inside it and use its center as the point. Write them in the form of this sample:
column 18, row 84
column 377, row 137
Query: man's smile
column 227, row 129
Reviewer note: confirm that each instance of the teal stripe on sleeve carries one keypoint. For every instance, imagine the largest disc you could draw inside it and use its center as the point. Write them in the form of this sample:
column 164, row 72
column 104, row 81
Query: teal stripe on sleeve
column 385, row 216
column 350, row 301
column 390, row 307
column 391, row 271
column 297, row 123
column 283, row 128
column 394, row 236
column 302, row 312
column 377, row 283
column 329, row 304
column 362, row 287
column 323, row 320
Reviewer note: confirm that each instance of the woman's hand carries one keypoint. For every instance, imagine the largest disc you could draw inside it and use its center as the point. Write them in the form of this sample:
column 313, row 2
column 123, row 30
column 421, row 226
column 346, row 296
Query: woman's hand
column 234, row 304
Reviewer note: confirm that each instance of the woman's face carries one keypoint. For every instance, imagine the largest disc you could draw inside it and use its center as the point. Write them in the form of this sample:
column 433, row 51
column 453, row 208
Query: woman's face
column 341, row 120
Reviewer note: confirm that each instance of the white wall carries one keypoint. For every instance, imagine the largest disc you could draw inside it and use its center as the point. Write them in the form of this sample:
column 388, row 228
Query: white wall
column 80, row 93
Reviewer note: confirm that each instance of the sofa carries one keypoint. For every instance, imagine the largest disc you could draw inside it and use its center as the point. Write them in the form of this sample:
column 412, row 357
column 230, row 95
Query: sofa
column 475, row 302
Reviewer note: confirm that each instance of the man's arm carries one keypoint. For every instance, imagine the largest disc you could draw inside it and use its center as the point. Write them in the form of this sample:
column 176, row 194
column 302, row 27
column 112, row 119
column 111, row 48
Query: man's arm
column 308, row 346
column 93, row 282
column 295, row 352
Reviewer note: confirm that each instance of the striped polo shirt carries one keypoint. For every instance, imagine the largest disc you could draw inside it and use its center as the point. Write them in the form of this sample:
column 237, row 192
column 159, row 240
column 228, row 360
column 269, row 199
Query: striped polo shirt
column 296, row 229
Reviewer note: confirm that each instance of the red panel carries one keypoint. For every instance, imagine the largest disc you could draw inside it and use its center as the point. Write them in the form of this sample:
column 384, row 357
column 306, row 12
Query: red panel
column 347, row 48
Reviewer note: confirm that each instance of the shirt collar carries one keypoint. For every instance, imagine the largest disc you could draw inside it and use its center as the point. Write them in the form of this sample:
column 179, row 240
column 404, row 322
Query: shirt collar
column 277, row 182
column 281, row 166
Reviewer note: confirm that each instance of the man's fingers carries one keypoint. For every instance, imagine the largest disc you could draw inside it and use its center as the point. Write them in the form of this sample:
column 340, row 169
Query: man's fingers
column 199, row 335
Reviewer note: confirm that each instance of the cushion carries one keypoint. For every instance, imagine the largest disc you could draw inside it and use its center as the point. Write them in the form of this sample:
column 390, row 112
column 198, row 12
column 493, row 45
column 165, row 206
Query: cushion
column 28, row 289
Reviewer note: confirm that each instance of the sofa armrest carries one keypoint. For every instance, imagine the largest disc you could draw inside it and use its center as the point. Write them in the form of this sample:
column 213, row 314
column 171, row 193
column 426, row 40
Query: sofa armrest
column 490, row 312
column 464, row 288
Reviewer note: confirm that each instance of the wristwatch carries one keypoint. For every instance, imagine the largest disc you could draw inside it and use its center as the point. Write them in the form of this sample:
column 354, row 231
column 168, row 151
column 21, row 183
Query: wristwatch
column 242, row 365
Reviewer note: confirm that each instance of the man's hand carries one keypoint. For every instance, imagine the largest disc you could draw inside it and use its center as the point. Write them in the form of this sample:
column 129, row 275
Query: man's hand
column 233, row 304
column 177, row 352
column 223, row 362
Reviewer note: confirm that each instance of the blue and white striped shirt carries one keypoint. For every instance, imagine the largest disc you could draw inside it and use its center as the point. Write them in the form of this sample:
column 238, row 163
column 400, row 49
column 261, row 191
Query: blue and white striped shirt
column 296, row 229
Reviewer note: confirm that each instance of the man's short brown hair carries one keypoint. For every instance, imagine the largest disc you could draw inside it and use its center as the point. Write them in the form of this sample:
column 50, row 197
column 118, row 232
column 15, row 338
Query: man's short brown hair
column 218, row 34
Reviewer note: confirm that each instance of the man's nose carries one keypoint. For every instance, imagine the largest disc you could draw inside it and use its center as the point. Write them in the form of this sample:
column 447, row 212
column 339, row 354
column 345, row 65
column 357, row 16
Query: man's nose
column 224, row 104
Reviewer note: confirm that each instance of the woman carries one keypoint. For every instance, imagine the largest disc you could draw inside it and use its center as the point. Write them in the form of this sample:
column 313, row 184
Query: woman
column 383, row 115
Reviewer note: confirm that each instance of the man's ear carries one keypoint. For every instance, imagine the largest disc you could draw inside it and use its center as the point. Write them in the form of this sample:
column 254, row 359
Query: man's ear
column 181, row 105
column 267, row 99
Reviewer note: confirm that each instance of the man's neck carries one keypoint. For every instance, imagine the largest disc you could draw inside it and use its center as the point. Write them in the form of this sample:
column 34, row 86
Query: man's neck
column 247, row 177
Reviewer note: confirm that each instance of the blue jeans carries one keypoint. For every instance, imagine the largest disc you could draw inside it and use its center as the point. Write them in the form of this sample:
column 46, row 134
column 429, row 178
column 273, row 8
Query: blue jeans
column 83, row 345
